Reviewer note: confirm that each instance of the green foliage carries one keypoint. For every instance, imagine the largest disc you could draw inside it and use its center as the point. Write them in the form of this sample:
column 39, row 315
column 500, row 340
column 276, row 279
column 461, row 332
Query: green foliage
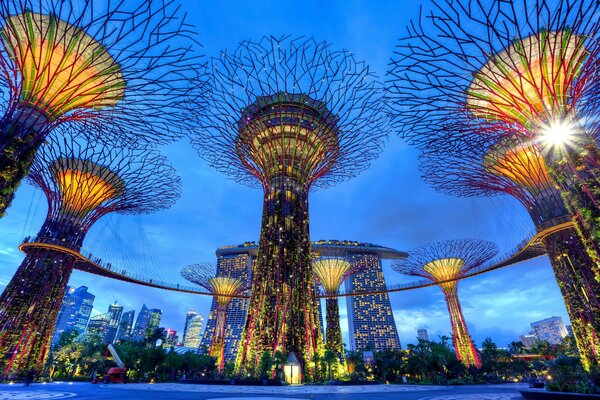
column 265, row 365
column 566, row 374
column 86, row 359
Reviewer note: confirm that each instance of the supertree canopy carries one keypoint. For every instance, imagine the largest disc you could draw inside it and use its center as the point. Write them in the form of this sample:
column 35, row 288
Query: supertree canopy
column 505, row 68
column 291, row 115
column 446, row 263
column 121, row 71
column 225, row 289
column 331, row 273
column 517, row 168
column 82, row 182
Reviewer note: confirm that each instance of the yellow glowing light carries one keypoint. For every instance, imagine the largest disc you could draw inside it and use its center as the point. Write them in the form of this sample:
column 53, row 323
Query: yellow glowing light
column 445, row 269
column 224, row 287
column 331, row 272
column 530, row 81
column 521, row 163
column 62, row 68
column 286, row 138
column 84, row 185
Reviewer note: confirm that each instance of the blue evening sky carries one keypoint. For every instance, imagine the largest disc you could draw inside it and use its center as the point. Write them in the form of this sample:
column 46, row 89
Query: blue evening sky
column 388, row 204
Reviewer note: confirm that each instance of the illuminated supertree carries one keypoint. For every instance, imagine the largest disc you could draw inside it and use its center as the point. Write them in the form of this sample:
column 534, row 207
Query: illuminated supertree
column 225, row 289
column 517, row 168
column 511, row 68
column 124, row 70
column 331, row 273
column 290, row 115
column 446, row 263
column 82, row 183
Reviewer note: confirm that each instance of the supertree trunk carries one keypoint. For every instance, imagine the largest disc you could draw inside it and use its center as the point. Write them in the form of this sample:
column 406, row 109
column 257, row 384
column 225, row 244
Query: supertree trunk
column 572, row 268
column 577, row 174
column 217, row 347
column 282, row 312
column 20, row 139
column 30, row 303
column 465, row 350
column 333, row 339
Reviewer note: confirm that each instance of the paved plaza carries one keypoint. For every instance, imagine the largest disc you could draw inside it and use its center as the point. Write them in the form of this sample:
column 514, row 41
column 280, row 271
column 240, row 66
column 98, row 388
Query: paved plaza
column 81, row 390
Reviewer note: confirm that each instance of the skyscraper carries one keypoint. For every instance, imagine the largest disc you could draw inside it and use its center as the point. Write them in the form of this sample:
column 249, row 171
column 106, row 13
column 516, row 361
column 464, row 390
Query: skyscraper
column 74, row 312
column 154, row 323
column 126, row 325
column 147, row 322
column 115, row 313
column 188, row 316
column 422, row 334
column 370, row 318
column 381, row 330
column 98, row 327
column 236, row 262
column 193, row 333
column 141, row 324
column 551, row 329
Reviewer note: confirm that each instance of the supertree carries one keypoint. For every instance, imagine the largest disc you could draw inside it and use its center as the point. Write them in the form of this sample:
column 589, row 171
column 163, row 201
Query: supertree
column 331, row 273
column 82, row 183
column 446, row 263
column 122, row 70
column 510, row 68
column 225, row 289
column 290, row 115
column 517, row 168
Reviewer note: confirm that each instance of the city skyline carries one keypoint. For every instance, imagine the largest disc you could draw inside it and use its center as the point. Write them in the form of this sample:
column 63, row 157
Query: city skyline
column 385, row 215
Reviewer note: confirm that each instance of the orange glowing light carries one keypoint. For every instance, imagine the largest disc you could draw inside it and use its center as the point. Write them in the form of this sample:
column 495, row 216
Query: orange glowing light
column 84, row 185
column 522, row 164
column 331, row 273
column 530, row 82
column 62, row 68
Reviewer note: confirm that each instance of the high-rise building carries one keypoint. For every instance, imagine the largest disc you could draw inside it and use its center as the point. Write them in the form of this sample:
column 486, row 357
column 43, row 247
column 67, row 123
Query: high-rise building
column 528, row 340
column 422, row 334
column 141, row 324
column 147, row 322
column 551, row 329
column 370, row 317
column 126, row 325
column 380, row 329
column 98, row 327
column 235, row 262
column 154, row 322
column 74, row 312
column 193, row 333
column 115, row 313
column 188, row 316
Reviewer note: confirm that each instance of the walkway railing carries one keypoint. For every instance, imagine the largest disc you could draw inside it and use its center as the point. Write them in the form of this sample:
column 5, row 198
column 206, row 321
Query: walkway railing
column 527, row 249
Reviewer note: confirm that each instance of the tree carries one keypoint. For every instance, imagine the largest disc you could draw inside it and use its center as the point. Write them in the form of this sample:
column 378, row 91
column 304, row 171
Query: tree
column 67, row 337
column 516, row 348
column 265, row 365
column 330, row 358
column 279, row 361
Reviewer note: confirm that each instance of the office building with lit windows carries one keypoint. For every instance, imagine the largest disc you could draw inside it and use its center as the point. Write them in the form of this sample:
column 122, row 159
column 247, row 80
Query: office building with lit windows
column 235, row 262
column 116, row 312
column 74, row 312
column 370, row 317
column 371, row 322
column 193, row 332
column 126, row 325
column 552, row 329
